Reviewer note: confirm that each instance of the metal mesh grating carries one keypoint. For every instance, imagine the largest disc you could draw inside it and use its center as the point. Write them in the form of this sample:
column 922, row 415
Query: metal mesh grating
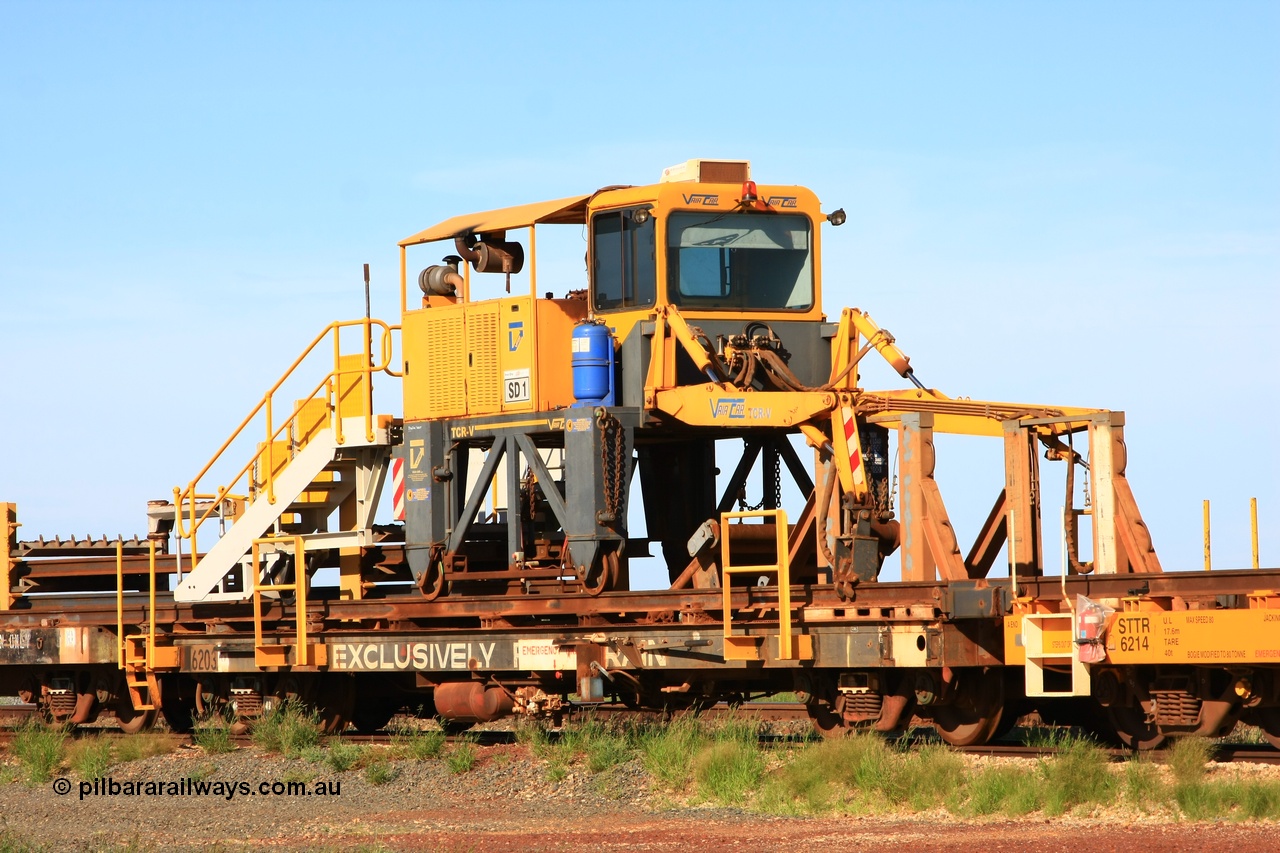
column 484, row 383
column 724, row 172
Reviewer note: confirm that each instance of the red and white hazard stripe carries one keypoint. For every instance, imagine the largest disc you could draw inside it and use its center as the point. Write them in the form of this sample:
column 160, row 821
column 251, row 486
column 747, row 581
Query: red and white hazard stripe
column 855, row 446
column 397, row 485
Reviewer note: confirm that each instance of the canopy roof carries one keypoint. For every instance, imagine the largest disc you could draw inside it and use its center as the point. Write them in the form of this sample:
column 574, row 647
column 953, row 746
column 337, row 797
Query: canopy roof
column 567, row 211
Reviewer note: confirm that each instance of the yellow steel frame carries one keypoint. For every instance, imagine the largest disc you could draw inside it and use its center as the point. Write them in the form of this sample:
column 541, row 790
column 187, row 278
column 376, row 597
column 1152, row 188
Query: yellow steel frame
column 276, row 654
column 742, row 646
column 188, row 520
column 9, row 528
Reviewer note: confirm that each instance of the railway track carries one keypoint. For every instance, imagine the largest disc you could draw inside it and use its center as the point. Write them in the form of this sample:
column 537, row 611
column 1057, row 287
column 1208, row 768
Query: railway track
column 11, row 717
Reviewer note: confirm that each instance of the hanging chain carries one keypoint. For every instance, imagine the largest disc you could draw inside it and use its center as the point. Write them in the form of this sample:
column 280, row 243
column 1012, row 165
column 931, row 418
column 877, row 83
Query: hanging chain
column 773, row 489
column 613, row 457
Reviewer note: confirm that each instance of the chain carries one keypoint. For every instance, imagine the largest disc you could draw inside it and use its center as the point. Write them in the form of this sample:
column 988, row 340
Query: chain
column 613, row 454
column 775, row 488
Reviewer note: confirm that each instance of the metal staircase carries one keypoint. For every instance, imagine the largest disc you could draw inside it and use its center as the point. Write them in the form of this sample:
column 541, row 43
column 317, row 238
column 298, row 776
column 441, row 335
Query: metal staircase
column 327, row 458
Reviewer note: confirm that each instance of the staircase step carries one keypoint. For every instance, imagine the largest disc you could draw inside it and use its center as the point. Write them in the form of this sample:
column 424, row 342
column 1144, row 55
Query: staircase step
column 311, row 417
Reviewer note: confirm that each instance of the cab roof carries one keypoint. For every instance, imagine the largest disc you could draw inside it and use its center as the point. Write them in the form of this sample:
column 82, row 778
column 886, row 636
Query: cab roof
column 564, row 211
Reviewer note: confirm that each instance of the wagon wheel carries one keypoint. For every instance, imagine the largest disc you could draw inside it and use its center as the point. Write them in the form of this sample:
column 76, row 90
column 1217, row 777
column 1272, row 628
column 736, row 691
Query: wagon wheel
column 377, row 704
column 335, row 702
column 1268, row 719
column 974, row 715
column 29, row 694
column 373, row 715
column 1133, row 729
column 177, row 703
column 826, row 721
column 130, row 720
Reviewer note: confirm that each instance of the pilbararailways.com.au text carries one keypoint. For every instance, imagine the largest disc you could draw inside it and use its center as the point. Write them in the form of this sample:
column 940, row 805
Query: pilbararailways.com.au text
column 221, row 788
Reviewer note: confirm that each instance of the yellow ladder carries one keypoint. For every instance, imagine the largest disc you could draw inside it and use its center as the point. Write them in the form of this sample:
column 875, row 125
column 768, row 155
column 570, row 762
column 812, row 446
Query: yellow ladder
column 277, row 654
column 136, row 652
column 791, row 646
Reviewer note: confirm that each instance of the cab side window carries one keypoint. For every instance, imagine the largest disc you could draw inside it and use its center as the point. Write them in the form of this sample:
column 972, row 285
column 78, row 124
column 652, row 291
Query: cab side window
column 624, row 271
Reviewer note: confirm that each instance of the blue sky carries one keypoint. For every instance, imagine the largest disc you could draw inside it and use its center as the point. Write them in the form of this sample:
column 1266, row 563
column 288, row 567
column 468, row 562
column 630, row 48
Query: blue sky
column 1074, row 204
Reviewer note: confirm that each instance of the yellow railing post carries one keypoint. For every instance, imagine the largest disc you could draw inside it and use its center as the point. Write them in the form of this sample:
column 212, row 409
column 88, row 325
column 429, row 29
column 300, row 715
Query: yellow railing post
column 257, row 597
column 120, row 603
column 271, row 462
column 1208, row 561
column 151, row 610
column 302, row 656
column 368, row 380
column 1253, row 528
column 404, row 291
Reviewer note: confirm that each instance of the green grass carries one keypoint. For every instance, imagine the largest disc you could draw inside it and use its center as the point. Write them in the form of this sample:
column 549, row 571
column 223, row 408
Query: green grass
column 342, row 756
column 380, row 772
column 126, row 748
column 667, row 751
column 462, row 757
column 303, row 776
column 213, row 734
column 726, row 771
column 39, row 750
column 1231, row 800
column 1079, row 774
column 1188, row 758
column 1141, row 784
column 601, row 746
column 1008, row 790
column 289, row 729
column 90, row 758
column 418, row 744
column 863, row 773
column 722, row 762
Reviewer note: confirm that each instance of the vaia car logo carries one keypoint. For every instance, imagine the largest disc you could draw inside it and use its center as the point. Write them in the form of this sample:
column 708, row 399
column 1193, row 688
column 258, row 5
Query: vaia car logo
column 735, row 409
column 704, row 199
column 732, row 408
column 781, row 201
column 515, row 334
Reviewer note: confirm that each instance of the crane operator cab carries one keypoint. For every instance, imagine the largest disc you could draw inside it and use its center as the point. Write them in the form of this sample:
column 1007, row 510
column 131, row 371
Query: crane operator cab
column 733, row 258
column 702, row 320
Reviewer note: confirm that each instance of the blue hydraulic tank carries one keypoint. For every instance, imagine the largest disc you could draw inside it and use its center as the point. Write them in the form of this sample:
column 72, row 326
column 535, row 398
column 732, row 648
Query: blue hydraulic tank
column 592, row 364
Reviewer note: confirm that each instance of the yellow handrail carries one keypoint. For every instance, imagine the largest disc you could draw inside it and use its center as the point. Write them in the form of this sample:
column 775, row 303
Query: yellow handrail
column 120, row 603
column 187, row 528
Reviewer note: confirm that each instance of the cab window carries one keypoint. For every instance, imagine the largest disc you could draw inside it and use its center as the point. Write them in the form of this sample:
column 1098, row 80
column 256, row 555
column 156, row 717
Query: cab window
column 624, row 270
column 750, row 260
